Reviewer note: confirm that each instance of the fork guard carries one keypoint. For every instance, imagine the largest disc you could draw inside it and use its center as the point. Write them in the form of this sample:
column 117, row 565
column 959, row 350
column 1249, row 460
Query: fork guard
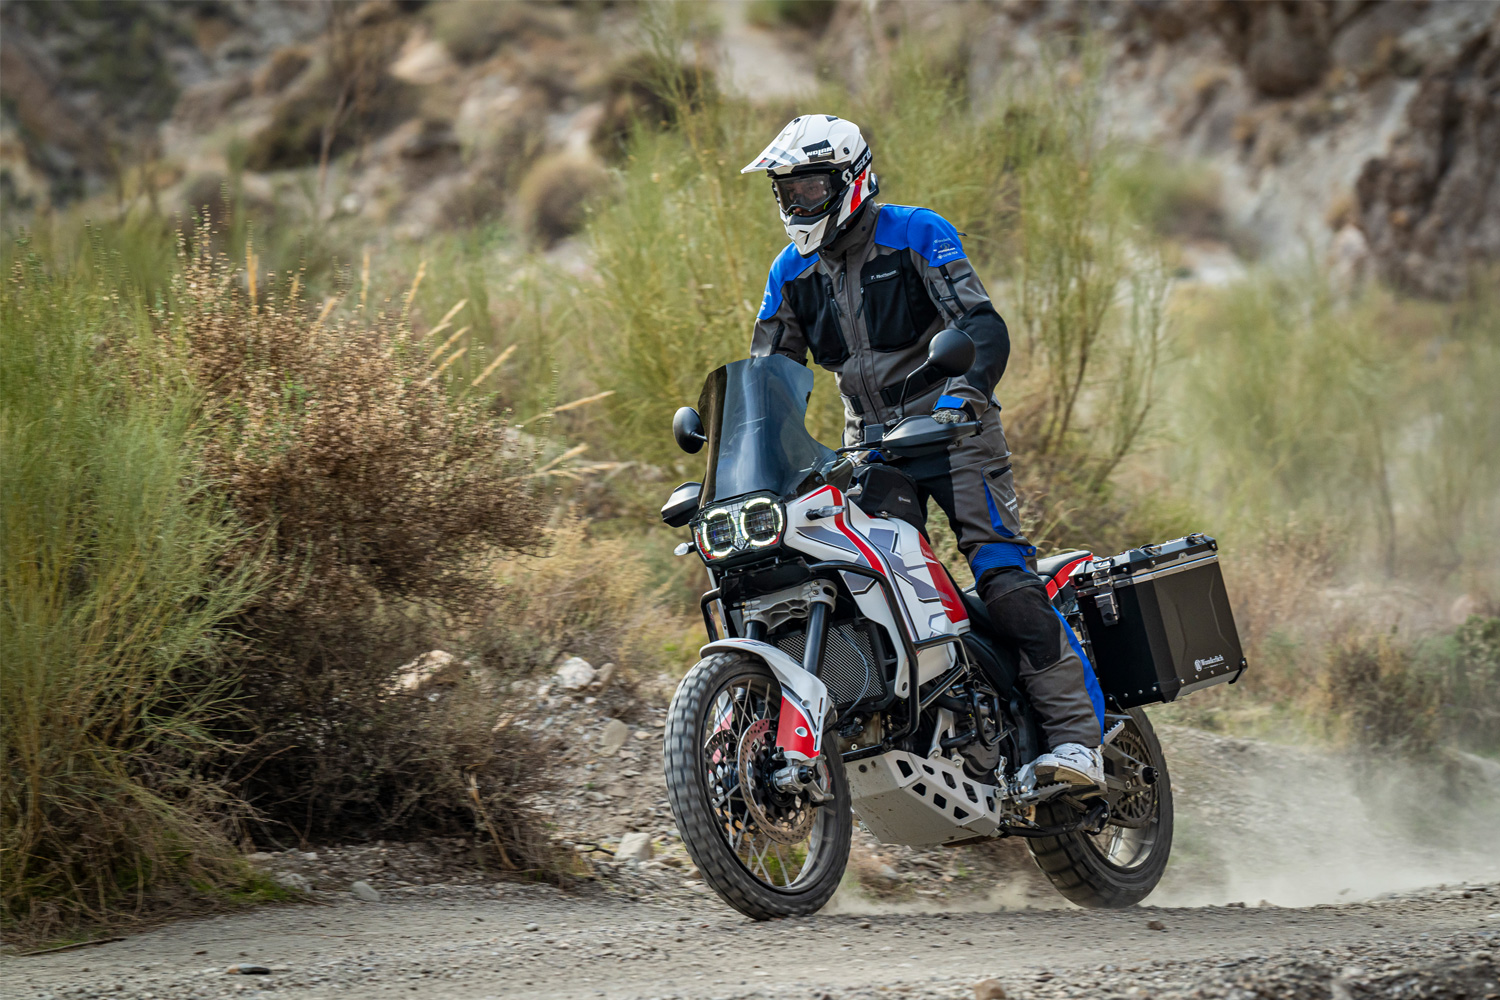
column 804, row 698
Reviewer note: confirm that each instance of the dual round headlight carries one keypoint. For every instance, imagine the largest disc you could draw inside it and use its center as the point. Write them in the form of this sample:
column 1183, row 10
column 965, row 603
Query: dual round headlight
column 756, row 523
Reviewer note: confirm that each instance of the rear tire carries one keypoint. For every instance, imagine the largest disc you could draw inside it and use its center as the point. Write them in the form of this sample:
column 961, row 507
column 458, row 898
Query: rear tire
column 1084, row 868
column 715, row 828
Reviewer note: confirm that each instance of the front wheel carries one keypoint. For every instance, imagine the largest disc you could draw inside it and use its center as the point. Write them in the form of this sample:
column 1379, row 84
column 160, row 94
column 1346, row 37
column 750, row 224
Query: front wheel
column 766, row 853
column 1120, row 865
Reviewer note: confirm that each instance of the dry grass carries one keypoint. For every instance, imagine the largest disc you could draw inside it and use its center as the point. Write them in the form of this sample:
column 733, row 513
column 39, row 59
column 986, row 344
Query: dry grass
column 554, row 196
column 591, row 596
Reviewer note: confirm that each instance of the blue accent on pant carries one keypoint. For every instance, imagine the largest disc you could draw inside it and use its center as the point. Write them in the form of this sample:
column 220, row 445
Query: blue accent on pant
column 998, row 554
column 997, row 522
column 1090, row 681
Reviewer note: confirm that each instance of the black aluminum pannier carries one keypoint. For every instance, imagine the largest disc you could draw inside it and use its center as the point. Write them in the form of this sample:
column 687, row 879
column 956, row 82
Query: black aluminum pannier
column 1159, row 622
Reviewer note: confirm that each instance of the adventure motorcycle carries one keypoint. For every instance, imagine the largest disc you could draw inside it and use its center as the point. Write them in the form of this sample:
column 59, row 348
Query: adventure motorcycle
column 846, row 672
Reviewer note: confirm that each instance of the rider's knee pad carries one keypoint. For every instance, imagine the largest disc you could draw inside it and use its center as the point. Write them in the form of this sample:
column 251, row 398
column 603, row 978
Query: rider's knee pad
column 1022, row 614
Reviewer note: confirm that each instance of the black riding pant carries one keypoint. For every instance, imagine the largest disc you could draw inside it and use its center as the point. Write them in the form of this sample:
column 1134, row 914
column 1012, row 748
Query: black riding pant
column 973, row 483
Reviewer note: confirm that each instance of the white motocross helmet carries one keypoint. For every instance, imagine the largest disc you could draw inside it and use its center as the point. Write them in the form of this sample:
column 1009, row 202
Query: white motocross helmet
column 820, row 170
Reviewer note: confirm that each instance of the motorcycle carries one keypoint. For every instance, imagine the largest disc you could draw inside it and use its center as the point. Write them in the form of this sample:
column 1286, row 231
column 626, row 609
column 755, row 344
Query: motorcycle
column 847, row 675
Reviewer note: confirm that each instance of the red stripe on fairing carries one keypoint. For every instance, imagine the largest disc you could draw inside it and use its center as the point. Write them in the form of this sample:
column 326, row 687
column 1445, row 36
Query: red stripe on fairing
column 864, row 550
column 1061, row 577
column 952, row 603
column 787, row 726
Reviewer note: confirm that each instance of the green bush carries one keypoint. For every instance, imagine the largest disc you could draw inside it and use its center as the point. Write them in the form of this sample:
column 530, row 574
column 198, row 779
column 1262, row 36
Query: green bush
column 810, row 15
column 116, row 612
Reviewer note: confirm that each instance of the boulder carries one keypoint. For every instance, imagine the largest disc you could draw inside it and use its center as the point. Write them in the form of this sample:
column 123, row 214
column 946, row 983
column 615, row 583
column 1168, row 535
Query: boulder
column 428, row 669
column 613, row 738
column 1430, row 209
column 366, row 892
column 293, row 881
column 634, row 847
column 575, row 674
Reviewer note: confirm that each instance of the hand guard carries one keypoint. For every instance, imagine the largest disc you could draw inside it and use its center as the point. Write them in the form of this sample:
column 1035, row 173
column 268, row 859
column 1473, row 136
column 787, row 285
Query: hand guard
column 949, row 416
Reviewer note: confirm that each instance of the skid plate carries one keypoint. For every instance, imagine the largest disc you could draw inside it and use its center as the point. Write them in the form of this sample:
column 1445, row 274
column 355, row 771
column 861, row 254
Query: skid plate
column 906, row 799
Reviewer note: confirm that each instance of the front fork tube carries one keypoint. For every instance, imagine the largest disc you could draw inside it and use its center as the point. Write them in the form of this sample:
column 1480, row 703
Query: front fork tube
column 794, row 732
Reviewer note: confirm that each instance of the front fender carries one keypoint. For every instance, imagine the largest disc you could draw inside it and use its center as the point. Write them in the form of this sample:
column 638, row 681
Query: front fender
column 802, row 692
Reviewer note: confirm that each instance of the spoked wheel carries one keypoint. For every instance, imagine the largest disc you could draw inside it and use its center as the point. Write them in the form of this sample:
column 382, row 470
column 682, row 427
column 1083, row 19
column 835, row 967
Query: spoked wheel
column 1120, row 865
column 765, row 852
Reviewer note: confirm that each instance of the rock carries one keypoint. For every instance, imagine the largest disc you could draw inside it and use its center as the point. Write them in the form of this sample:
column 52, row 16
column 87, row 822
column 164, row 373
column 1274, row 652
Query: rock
column 422, row 62
column 634, row 847
column 613, row 738
column 364, row 891
column 259, row 856
column 575, row 674
column 247, row 970
column 606, row 674
column 425, row 670
column 1429, row 208
column 293, row 881
column 989, row 989
column 533, row 927
column 1155, row 925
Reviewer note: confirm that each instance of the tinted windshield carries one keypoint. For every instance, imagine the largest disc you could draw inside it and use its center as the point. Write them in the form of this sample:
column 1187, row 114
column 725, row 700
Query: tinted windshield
column 754, row 412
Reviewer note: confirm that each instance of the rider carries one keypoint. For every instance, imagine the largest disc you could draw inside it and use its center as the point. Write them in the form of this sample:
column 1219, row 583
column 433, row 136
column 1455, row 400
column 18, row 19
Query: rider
column 865, row 287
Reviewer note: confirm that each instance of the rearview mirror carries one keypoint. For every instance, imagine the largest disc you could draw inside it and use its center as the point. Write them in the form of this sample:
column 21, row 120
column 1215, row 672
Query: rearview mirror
column 951, row 353
column 681, row 505
column 687, row 428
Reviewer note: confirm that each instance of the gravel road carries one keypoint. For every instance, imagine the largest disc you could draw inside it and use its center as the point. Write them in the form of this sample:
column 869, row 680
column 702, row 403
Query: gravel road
column 1344, row 850
column 531, row 941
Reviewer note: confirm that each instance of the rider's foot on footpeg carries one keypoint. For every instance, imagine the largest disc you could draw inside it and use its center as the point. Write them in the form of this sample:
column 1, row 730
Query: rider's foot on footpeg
column 1072, row 763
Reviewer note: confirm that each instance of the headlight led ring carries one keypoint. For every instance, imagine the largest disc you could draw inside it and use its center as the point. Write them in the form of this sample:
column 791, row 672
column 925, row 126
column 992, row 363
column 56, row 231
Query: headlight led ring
column 716, row 533
column 761, row 522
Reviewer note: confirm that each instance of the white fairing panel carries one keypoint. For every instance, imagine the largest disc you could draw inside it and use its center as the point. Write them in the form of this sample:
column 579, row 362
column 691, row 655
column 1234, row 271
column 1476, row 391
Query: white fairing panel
column 802, row 689
column 930, row 605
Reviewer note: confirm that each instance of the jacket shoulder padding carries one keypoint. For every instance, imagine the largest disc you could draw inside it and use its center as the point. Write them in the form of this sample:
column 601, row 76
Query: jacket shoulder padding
column 788, row 264
column 902, row 227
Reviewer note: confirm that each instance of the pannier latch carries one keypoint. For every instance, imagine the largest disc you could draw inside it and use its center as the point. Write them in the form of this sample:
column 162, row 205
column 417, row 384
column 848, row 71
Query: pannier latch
column 1104, row 598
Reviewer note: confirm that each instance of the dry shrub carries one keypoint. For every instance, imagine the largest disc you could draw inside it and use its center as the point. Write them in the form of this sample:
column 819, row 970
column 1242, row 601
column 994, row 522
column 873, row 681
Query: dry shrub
column 634, row 96
column 1396, row 693
column 808, row 15
column 1381, row 692
column 553, row 198
column 378, row 496
column 473, row 31
column 347, row 98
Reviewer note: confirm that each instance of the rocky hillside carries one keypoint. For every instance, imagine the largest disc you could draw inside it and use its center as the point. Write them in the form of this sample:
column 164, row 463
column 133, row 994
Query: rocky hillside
column 1367, row 132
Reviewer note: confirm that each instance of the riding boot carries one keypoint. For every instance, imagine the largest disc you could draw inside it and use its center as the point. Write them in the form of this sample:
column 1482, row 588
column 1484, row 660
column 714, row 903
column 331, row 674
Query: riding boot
column 1057, row 677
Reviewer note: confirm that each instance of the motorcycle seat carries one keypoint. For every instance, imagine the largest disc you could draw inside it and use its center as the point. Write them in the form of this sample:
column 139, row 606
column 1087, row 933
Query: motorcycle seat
column 1047, row 568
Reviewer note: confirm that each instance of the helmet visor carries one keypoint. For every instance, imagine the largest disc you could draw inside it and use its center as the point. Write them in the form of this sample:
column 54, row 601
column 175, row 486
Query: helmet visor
column 804, row 194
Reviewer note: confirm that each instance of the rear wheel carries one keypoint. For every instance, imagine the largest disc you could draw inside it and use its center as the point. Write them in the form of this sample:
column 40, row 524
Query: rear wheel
column 1120, row 865
column 766, row 853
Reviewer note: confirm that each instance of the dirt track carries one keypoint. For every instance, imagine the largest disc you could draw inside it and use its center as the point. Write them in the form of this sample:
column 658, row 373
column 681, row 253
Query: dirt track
column 1254, row 820
column 595, row 945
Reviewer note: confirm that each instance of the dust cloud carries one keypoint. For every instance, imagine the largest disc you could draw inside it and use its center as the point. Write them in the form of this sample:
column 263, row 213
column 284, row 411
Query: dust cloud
column 1260, row 823
column 1297, row 827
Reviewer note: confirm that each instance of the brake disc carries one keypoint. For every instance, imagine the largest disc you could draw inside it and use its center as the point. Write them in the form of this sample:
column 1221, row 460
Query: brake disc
column 785, row 819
